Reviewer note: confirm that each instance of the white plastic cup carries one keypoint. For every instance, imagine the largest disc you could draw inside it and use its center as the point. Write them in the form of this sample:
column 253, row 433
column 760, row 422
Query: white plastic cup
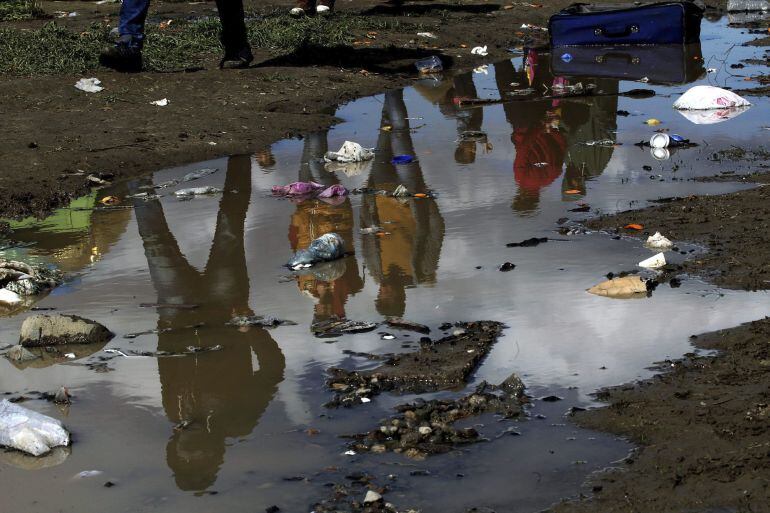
column 660, row 140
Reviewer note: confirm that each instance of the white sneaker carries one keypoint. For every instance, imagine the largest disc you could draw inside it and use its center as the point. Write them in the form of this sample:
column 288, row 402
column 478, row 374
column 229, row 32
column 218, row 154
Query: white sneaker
column 323, row 10
column 297, row 12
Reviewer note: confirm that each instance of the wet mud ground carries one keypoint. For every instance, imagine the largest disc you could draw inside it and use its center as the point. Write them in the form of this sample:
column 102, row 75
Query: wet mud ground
column 245, row 427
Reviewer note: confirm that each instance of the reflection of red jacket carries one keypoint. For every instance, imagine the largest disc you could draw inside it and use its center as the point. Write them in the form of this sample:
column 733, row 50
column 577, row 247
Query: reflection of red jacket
column 533, row 146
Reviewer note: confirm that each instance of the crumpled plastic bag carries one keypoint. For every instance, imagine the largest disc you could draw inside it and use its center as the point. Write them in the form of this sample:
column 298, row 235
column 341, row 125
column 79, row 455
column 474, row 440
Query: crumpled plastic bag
column 29, row 431
column 329, row 246
column 705, row 97
column 89, row 85
column 309, row 188
column 197, row 191
column 626, row 287
column 658, row 241
column 350, row 152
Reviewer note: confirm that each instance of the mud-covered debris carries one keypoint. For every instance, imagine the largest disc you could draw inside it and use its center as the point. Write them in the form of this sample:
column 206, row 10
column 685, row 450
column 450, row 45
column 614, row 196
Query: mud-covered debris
column 201, row 173
column 423, row 428
column 348, row 153
column 51, row 330
column 62, row 396
column 507, row 266
column 28, row 431
column 359, row 494
column 625, row 287
column 438, row 365
column 337, row 326
column 28, row 280
column 197, row 191
column 325, row 248
column 401, row 192
column 259, row 321
column 528, row 243
column 20, row 354
column 403, row 324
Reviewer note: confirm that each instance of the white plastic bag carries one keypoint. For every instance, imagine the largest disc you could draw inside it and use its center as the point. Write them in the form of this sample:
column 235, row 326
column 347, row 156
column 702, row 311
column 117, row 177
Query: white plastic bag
column 9, row 298
column 29, row 431
column 654, row 262
column 89, row 85
column 349, row 152
column 658, row 241
column 704, row 97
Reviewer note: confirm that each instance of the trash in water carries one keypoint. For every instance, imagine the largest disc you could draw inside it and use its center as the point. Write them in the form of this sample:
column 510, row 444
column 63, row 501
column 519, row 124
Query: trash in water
column 336, row 327
column 309, row 188
column 507, row 266
column 370, row 230
column 429, row 35
column 704, row 97
column 259, row 321
column 27, row 280
column 109, row 200
column 160, row 103
column 197, row 191
column 660, row 153
column 527, row 243
column 334, row 190
column 329, row 246
column 747, row 5
column 652, row 122
column 429, row 65
column 88, row 473
column 89, row 85
column 195, row 175
column 372, row 496
column 480, row 50
column 403, row 324
column 29, row 431
column 711, row 70
column 662, row 140
column 600, row 142
column 483, row 69
column 402, row 159
column 658, row 241
column 9, row 298
column 401, row 192
column 654, row 262
column 349, row 152
column 634, row 226
column 621, row 288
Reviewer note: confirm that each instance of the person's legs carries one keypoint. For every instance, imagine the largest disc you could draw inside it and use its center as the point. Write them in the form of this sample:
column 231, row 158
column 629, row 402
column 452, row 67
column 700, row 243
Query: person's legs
column 234, row 36
column 133, row 14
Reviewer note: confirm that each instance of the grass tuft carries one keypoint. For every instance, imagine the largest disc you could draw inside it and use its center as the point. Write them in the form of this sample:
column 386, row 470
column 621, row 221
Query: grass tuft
column 17, row 10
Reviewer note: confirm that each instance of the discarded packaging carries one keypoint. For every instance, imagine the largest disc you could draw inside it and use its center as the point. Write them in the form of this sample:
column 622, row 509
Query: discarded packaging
column 327, row 247
column 429, row 65
column 402, row 159
column 8, row 298
column 480, row 50
column 89, row 85
column 662, row 140
column 429, row 35
column 350, row 152
column 658, row 241
column 189, row 177
column 29, row 431
column 654, row 262
column 160, row 103
column 401, row 192
column 197, row 191
column 370, row 230
column 704, row 97
column 298, row 189
column 621, row 288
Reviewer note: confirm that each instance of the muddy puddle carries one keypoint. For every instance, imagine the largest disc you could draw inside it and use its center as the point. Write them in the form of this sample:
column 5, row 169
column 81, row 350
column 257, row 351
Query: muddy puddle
column 244, row 427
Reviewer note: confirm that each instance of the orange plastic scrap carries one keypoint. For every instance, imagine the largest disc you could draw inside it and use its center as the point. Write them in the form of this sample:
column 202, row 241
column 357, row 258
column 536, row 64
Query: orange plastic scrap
column 634, row 226
column 109, row 200
column 572, row 191
column 420, row 195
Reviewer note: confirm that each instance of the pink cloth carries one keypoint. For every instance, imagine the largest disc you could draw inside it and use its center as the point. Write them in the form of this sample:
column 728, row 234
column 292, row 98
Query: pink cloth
column 307, row 188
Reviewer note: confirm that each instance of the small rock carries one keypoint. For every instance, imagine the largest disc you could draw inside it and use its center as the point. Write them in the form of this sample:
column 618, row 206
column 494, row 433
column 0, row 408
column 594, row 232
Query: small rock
column 20, row 354
column 49, row 330
column 62, row 396
column 372, row 496
column 507, row 266
column 425, row 430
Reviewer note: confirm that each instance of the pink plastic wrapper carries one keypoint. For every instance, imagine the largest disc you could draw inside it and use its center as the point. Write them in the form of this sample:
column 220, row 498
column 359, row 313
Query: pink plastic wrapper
column 308, row 188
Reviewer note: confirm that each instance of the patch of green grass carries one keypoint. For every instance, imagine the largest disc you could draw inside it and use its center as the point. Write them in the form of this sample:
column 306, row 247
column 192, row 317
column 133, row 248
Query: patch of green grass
column 54, row 49
column 16, row 10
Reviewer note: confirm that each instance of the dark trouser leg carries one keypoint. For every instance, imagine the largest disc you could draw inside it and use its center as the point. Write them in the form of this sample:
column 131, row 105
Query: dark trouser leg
column 231, row 15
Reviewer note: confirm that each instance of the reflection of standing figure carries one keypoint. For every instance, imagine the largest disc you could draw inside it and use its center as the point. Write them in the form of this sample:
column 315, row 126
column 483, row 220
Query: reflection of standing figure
column 314, row 218
column 409, row 254
column 222, row 393
column 468, row 120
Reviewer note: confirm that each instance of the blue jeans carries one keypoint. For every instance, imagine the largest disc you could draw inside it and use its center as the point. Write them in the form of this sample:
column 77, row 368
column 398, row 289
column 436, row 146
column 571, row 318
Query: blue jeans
column 133, row 14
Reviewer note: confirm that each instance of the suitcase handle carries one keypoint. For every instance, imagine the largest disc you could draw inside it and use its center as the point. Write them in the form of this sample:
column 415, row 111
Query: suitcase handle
column 613, row 33
column 616, row 56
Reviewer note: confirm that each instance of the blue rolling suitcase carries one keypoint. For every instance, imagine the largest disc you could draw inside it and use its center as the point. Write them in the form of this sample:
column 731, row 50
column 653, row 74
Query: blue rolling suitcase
column 635, row 24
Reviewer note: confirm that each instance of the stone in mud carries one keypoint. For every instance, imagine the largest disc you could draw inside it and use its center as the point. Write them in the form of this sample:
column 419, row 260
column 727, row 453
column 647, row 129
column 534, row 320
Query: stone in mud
column 427, row 427
column 438, row 365
column 20, row 354
column 27, row 280
column 51, row 330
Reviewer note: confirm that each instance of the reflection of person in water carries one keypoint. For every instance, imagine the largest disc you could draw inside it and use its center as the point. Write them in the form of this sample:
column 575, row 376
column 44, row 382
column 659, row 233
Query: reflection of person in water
column 408, row 255
column 331, row 283
column 222, row 394
column 546, row 133
column 468, row 120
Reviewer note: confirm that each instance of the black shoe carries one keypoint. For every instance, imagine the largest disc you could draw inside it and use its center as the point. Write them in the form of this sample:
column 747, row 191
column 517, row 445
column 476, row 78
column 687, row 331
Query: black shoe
column 123, row 56
column 239, row 58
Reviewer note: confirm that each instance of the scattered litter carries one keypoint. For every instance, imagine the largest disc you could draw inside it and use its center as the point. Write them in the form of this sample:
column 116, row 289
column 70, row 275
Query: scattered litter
column 532, row 27
column 429, row 35
column 29, row 431
column 365, row 400
column 747, row 5
column 160, row 103
column 480, row 50
column 195, row 175
column 654, row 262
column 70, row 356
column 401, row 192
column 507, row 266
column 329, row 246
column 88, row 473
column 370, row 230
column 336, row 326
column 62, row 396
column 197, row 191
column 644, row 80
column 652, row 122
column 572, row 191
column 350, row 152
column 600, row 142
column 634, row 226
column 259, row 321
column 349, row 453
column 402, row 159
column 9, row 298
column 711, row 70
column 474, row 135
column 704, row 97
column 89, row 85
column 483, row 69
column 658, row 241
column 429, row 65
column 621, row 288
column 387, row 336
column 372, row 496
column 662, row 140
column 299, row 189
column 96, row 180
